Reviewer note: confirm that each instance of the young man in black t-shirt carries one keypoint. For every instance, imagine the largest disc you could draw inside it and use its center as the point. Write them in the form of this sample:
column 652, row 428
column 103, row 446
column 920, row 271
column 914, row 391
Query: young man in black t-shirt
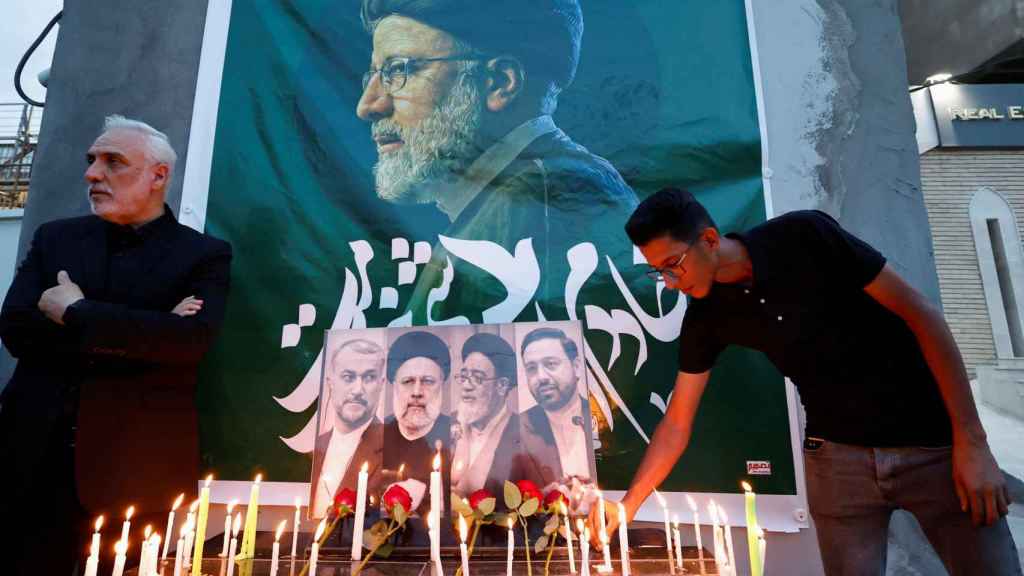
column 891, row 422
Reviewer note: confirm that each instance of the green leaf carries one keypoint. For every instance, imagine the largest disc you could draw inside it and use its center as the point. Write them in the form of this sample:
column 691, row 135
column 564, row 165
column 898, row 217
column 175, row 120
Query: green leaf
column 551, row 525
column 487, row 505
column 529, row 507
column 400, row 514
column 372, row 539
column 385, row 550
column 478, row 515
column 459, row 506
column 541, row 544
column 513, row 497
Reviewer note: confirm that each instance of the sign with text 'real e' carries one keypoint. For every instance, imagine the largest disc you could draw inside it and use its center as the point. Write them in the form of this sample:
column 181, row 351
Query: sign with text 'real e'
column 979, row 115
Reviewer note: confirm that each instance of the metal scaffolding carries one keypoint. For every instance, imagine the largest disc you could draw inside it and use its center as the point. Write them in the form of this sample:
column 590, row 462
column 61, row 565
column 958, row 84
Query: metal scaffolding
column 19, row 134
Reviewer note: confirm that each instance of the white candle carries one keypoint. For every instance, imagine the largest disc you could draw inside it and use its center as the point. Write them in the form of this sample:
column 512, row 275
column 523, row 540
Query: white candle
column 678, row 540
column 668, row 533
column 607, row 565
column 623, row 539
column 568, row 539
column 315, row 550
column 236, row 524
column 227, row 527
column 275, row 553
column 728, row 539
column 584, row 548
column 462, row 547
column 433, row 518
column 121, row 556
column 295, row 526
column 357, row 527
column 511, row 548
column 762, row 545
column 178, row 552
column 127, row 523
column 94, row 549
column 717, row 535
column 436, row 497
column 696, row 534
column 154, row 554
column 170, row 524
column 190, row 536
column 92, row 565
column 144, row 549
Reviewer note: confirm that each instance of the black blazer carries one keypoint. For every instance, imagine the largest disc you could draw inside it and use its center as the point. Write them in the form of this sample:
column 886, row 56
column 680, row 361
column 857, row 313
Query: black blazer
column 131, row 362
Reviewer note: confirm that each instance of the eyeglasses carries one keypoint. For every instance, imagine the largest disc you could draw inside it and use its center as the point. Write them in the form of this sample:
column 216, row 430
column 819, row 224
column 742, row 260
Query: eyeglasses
column 477, row 378
column 396, row 71
column 668, row 273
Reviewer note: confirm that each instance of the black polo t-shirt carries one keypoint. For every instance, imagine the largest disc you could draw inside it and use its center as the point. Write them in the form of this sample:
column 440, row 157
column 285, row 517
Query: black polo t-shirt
column 860, row 372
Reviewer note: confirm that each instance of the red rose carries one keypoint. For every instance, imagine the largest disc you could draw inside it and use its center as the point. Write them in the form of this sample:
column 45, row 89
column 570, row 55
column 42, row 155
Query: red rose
column 397, row 495
column 476, row 497
column 529, row 490
column 345, row 500
column 554, row 497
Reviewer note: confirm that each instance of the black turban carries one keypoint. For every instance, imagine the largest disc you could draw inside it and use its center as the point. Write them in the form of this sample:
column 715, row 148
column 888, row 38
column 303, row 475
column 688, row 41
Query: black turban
column 418, row 344
column 544, row 34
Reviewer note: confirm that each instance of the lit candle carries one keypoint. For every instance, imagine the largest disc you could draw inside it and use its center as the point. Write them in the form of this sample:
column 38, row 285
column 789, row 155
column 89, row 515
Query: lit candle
column 295, row 526
column 94, row 549
column 584, row 548
column 668, row 533
column 120, row 557
column 227, row 527
column 236, row 524
column 511, row 547
column 678, row 540
column 568, row 538
column 200, row 538
column 762, row 546
column 696, row 533
column 92, row 565
column 716, row 531
column 462, row 547
column 144, row 550
column 315, row 551
column 127, row 523
column 750, row 501
column 154, row 554
column 190, row 521
column 251, row 516
column 728, row 539
column 179, row 550
column 623, row 539
column 607, row 565
column 435, row 544
column 357, row 527
column 275, row 552
column 436, row 497
column 170, row 524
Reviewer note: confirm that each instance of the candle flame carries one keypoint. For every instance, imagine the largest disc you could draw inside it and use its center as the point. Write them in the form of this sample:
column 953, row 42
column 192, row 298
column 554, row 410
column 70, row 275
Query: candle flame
column 463, row 529
column 178, row 501
column 259, row 478
column 147, row 532
column 121, row 547
column 231, row 505
column 128, row 513
column 236, row 524
column 209, row 479
column 99, row 523
column 298, row 503
column 661, row 499
column 437, row 462
column 194, row 506
column 746, row 487
column 366, row 466
column 320, row 530
column 401, row 469
column 510, row 522
column 372, row 500
column 579, row 525
column 280, row 530
column 691, row 502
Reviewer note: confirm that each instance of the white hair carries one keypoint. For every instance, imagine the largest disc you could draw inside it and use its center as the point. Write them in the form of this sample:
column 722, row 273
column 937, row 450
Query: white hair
column 158, row 147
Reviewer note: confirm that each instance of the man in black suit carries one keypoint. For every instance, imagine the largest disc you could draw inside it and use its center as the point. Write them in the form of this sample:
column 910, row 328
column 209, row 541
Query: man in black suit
column 108, row 315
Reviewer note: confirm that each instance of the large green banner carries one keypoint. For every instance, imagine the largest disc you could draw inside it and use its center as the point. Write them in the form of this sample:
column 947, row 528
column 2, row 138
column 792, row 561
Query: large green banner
column 449, row 162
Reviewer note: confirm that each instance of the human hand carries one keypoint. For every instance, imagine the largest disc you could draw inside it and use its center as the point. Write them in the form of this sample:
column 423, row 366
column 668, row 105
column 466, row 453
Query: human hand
column 612, row 520
column 55, row 301
column 979, row 482
column 190, row 306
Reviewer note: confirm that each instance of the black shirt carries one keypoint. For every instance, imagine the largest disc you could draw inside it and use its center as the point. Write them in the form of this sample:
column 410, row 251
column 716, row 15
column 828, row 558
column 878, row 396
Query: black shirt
column 861, row 374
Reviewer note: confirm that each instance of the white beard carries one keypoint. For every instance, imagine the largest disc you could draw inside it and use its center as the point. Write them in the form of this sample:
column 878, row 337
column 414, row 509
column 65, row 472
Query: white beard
column 436, row 151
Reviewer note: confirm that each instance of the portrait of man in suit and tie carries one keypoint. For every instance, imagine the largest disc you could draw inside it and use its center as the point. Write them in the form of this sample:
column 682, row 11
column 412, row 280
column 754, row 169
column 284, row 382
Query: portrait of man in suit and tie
column 485, row 430
column 555, row 433
column 352, row 385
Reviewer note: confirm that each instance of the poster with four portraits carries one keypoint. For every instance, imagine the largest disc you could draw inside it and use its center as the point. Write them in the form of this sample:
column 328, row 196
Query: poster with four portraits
column 497, row 401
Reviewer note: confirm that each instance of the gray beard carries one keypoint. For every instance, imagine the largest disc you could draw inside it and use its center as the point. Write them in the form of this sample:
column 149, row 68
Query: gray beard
column 435, row 152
